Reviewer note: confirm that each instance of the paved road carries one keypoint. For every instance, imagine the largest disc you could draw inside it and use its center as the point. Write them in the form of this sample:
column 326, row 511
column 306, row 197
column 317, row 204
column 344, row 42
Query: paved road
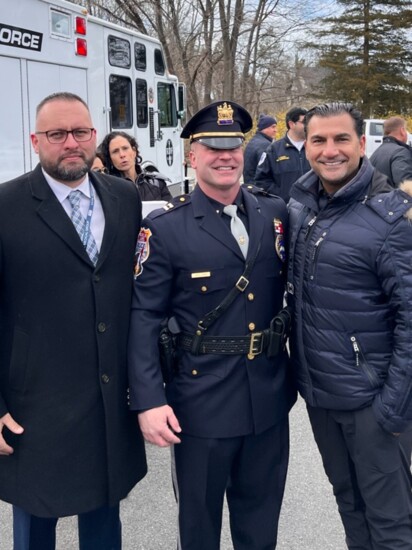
column 309, row 519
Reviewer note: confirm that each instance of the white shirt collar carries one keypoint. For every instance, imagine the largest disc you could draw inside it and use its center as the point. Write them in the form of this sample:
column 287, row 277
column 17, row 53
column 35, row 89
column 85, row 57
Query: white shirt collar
column 62, row 190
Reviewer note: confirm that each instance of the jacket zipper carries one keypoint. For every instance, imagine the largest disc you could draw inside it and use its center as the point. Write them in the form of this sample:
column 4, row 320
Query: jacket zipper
column 361, row 362
column 315, row 253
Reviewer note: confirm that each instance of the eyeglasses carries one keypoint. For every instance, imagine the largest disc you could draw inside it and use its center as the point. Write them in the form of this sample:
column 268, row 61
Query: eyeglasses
column 60, row 136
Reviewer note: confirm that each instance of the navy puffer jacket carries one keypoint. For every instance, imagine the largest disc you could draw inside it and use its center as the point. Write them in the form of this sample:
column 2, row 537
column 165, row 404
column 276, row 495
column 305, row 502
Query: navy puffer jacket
column 350, row 283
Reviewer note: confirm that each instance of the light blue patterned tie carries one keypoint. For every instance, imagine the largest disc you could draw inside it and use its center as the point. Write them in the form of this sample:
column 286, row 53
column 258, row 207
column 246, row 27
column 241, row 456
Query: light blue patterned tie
column 237, row 227
column 80, row 224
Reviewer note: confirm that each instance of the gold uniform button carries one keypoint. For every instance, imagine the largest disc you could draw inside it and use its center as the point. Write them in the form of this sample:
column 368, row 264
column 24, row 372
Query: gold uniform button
column 252, row 326
column 203, row 288
column 250, row 356
column 182, row 199
column 198, row 333
column 250, row 297
column 194, row 372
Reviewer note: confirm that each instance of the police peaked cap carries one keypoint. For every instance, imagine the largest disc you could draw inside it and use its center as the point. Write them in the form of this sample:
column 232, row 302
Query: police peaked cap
column 220, row 125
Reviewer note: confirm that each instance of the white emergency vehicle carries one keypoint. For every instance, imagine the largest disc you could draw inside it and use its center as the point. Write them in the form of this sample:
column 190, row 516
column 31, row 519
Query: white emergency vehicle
column 373, row 130
column 48, row 46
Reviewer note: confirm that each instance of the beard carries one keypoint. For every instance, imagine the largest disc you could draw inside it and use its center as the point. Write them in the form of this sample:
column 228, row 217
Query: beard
column 69, row 172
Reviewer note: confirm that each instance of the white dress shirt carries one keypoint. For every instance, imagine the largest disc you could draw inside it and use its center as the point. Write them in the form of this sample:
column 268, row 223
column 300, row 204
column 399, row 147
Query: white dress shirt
column 62, row 191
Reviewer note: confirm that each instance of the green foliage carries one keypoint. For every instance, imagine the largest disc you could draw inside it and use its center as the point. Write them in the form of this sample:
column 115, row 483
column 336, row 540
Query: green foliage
column 366, row 56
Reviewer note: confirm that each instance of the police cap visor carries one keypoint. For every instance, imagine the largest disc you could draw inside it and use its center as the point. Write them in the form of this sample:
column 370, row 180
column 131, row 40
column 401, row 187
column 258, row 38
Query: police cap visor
column 221, row 142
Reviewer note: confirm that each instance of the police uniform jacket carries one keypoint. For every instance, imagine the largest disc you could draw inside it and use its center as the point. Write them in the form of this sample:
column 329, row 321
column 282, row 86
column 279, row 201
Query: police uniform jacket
column 351, row 287
column 253, row 151
column 190, row 264
column 63, row 344
column 280, row 166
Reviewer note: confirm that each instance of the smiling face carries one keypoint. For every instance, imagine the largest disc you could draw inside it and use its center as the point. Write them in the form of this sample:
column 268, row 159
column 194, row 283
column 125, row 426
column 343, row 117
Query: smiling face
column 66, row 162
column 218, row 171
column 334, row 149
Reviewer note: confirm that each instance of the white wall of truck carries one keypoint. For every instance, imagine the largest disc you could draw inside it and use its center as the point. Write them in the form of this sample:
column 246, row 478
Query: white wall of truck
column 123, row 78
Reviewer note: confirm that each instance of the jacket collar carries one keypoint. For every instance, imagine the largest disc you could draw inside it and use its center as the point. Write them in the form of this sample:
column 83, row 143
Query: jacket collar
column 305, row 190
column 53, row 214
column 214, row 225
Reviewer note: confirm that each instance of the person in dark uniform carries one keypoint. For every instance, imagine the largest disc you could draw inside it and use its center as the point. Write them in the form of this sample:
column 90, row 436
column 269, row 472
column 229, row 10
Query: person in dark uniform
column 284, row 161
column 224, row 408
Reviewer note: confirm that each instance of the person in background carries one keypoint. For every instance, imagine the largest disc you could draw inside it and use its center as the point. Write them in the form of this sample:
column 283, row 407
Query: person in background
column 68, row 443
column 225, row 407
column 350, row 288
column 393, row 158
column 121, row 158
column 284, row 160
column 265, row 134
column 98, row 163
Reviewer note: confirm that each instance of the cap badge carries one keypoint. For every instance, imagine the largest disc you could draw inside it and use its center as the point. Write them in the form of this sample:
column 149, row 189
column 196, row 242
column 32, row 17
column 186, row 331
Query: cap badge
column 224, row 114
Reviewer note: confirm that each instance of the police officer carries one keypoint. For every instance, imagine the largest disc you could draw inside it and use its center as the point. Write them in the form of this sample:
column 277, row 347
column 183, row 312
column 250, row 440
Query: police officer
column 219, row 278
column 284, row 161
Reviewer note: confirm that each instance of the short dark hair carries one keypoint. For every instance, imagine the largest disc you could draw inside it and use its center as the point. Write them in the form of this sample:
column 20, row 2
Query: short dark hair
column 294, row 114
column 336, row 108
column 104, row 150
column 60, row 96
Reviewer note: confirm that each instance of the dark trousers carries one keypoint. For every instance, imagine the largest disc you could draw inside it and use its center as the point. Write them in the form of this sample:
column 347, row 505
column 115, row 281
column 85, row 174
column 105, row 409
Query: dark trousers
column 370, row 477
column 98, row 530
column 251, row 470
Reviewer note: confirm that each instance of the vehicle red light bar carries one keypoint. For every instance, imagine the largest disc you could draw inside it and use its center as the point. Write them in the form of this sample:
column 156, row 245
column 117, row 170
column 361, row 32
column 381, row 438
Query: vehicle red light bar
column 81, row 46
column 81, row 25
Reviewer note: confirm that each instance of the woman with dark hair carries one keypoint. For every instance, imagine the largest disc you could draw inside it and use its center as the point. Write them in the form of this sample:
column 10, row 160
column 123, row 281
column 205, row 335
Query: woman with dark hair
column 122, row 159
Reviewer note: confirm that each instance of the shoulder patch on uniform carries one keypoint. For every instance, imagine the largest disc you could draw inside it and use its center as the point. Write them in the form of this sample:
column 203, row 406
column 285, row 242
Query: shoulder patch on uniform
column 262, row 158
column 176, row 202
column 279, row 239
column 142, row 251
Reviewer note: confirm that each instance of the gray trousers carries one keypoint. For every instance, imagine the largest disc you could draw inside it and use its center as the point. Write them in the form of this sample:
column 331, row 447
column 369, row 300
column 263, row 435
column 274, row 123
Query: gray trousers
column 371, row 480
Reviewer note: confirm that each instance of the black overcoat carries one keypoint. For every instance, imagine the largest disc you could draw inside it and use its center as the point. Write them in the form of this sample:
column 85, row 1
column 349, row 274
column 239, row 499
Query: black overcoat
column 63, row 334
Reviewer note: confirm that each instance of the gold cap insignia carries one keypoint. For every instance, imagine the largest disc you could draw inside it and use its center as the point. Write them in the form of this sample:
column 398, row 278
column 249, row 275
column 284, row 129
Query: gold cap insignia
column 224, row 114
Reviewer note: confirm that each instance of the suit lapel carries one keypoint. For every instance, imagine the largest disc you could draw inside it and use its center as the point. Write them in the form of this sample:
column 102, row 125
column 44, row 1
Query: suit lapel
column 256, row 221
column 110, row 206
column 53, row 214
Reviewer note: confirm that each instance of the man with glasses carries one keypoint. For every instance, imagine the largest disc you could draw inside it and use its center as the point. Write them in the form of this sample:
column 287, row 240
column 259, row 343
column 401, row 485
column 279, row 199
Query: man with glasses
column 284, row 160
column 68, row 445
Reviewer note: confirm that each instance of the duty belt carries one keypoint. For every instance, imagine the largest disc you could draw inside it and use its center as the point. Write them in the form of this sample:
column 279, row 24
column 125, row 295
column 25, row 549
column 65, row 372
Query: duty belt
column 252, row 345
column 270, row 341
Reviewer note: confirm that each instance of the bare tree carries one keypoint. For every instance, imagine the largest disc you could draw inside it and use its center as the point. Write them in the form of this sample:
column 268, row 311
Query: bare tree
column 242, row 50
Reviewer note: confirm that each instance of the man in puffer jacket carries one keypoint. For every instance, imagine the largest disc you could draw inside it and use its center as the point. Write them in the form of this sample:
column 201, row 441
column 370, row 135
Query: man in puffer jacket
column 350, row 285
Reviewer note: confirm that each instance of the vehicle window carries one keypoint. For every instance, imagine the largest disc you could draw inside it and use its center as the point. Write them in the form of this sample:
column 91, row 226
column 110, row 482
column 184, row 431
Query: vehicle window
column 159, row 62
column 121, row 101
column 140, row 56
column 141, row 103
column 119, row 52
column 166, row 103
column 376, row 129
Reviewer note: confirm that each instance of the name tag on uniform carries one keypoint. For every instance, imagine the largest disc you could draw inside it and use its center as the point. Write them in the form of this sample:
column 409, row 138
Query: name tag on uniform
column 284, row 157
column 201, row 274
